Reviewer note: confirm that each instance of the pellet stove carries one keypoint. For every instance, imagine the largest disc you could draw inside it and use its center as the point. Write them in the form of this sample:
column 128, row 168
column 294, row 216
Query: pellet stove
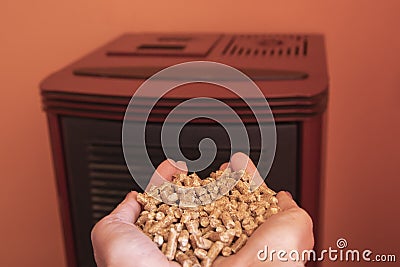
column 85, row 104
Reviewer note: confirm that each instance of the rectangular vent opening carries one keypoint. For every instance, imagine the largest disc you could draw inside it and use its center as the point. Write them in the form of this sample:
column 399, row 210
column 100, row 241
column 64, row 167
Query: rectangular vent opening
column 266, row 46
column 160, row 47
column 305, row 47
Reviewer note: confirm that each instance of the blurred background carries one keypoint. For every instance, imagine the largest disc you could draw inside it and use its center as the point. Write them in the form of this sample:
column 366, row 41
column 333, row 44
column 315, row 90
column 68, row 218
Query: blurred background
column 361, row 200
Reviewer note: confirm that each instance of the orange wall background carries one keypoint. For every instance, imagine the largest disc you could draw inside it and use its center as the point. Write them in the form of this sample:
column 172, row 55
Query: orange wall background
column 361, row 201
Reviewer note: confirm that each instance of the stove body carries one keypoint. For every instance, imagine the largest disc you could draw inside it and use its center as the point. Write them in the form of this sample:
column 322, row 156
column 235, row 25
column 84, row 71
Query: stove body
column 85, row 104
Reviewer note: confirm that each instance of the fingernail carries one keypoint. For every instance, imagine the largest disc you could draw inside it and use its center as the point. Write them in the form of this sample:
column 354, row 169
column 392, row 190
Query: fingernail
column 181, row 165
column 289, row 194
column 171, row 161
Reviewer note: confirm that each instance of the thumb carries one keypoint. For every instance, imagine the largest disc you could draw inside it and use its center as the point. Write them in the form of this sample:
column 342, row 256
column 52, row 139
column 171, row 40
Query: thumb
column 129, row 209
column 285, row 201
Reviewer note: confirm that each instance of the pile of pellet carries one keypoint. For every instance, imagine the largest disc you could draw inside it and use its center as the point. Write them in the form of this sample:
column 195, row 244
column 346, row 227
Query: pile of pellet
column 193, row 221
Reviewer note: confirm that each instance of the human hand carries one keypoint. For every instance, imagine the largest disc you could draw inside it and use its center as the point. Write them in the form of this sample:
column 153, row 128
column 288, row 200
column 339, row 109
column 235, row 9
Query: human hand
column 116, row 240
column 290, row 229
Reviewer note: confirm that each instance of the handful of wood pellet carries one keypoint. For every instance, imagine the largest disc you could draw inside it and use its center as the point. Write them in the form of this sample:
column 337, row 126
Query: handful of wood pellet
column 193, row 221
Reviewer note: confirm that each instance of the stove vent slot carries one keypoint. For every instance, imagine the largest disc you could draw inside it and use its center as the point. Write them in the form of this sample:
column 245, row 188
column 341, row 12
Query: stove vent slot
column 266, row 46
column 109, row 178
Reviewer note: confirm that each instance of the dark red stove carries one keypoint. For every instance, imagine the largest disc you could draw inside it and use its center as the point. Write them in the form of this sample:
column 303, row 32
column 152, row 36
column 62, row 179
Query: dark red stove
column 85, row 103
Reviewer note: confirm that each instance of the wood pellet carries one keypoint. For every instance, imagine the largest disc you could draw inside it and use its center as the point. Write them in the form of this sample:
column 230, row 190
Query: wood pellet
column 193, row 221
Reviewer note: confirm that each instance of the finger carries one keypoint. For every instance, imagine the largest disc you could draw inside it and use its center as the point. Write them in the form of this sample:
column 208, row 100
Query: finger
column 181, row 167
column 129, row 209
column 224, row 166
column 240, row 161
column 285, row 201
column 165, row 171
